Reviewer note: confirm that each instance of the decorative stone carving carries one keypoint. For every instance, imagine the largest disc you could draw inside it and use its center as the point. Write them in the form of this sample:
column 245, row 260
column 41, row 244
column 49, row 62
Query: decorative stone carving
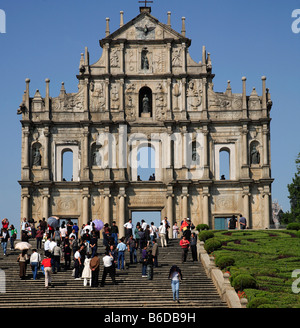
column 160, row 101
column 114, row 58
column 194, row 97
column 97, row 99
column 115, row 99
column 176, row 57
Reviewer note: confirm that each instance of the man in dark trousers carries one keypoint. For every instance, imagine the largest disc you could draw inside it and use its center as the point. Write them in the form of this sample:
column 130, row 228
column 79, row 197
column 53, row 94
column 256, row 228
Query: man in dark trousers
column 95, row 267
column 108, row 269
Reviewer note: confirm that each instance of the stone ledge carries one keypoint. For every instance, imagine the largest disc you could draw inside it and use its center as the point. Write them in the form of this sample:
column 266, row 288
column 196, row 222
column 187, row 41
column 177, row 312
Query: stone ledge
column 220, row 280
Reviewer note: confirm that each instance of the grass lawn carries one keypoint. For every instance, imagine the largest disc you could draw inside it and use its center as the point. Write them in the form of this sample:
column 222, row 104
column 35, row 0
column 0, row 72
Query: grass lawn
column 270, row 256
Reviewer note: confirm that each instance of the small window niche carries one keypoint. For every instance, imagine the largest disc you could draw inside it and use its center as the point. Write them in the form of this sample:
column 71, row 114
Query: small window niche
column 145, row 102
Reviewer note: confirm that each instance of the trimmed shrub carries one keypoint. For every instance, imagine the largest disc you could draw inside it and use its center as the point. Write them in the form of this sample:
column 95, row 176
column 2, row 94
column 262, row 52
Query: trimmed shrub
column 267, row 306
column 258, row 301
column 212, row 244
column 206, row 234
column 202, row 226
column 224, row 261
column 242, row 281
column 293, row 226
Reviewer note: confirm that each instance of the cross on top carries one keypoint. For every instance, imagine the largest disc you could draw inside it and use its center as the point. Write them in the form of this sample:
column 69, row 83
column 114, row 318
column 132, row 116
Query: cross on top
column 146, row 2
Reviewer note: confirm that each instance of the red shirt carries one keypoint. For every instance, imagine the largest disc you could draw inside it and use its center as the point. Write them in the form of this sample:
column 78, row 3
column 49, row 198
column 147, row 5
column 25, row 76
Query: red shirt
column 184, row 243
column 46, row 262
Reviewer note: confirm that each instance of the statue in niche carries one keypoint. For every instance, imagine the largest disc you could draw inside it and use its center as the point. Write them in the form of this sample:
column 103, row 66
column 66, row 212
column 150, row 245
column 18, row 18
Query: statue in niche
column 145, row 60
column 37, row 159
column 255, row 155
column 146, row 104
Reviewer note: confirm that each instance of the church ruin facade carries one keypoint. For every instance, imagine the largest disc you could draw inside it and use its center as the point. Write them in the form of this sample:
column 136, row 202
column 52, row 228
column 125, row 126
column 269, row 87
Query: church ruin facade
column 147, row 92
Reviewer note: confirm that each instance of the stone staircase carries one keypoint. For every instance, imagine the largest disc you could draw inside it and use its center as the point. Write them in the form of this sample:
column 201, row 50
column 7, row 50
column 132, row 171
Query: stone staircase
column 132, row 291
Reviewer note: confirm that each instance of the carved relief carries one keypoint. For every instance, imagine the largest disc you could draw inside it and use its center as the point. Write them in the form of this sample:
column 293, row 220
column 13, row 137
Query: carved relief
column 67, row 204
column 161, row 103
column 115, row 99
column 114, row 58
column 194, row 96
column 130, row 96
column 176, row 57
column 97, row 99
column 177, row 94
column 145, row 30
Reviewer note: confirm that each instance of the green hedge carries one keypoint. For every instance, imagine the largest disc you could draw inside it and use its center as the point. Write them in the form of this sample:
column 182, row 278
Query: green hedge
column 293, row 226
column 206, row 234
column 212, row 244
column 202, row 226
column 242, row 281
column 224, row 261
column 257, row 301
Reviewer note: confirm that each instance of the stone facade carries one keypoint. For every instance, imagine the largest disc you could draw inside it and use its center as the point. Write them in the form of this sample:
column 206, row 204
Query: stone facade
column 146, row 90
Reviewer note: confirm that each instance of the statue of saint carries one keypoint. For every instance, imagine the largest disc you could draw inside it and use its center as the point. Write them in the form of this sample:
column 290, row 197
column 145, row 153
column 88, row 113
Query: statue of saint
column 146, row 104
column 255, row 155
column 145, row 61
column 36, row 157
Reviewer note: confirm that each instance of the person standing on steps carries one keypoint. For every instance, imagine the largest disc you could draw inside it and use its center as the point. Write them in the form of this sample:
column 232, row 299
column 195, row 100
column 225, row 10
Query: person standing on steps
column 193, row 246
column 23, row 259
column 87, row 272
column 108, row 269
column 175, row 275
column 121, row 253
column 185, row 244
column 155, row 252
column 47, row 269
column 162, row 234
column 35, row 260
column 95, row 268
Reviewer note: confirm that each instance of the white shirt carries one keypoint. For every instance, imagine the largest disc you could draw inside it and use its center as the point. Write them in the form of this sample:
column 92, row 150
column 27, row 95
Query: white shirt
column 128, row 225
column 52, row 244
column 47, row 245
column 63, row 231
column 107, row 261
column 77, row 255
column 35, row 257
column 144, row 226
column 162, row 229
column 175, row 276
column 153, row 229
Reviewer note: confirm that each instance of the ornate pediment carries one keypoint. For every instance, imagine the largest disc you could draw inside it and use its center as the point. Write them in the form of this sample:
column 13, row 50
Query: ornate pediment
column 144, row 27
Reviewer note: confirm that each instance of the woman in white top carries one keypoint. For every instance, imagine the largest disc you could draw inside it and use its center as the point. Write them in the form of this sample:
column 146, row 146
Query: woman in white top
column 87, row 272
column 175, row 275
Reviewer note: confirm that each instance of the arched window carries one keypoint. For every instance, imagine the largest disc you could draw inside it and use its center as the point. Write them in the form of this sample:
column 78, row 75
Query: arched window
column 146, row 163
column 67, row 165
column 145, row 102
column 224, row 168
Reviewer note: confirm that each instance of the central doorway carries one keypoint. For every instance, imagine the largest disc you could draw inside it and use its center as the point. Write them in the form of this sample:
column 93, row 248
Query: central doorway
column 147, row 216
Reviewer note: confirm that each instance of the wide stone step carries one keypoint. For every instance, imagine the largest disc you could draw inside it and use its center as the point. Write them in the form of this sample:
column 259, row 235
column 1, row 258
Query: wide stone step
column 196, row 291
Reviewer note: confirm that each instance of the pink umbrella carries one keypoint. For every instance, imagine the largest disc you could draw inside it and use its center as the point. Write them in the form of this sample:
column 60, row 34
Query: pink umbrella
column 98, row 224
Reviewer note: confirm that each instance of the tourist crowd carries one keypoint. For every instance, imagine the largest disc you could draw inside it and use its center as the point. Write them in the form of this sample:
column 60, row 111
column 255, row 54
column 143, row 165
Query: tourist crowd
column 70, row 247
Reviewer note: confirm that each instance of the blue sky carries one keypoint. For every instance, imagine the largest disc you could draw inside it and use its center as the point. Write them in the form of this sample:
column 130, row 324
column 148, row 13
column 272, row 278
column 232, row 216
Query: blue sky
column 44, row 39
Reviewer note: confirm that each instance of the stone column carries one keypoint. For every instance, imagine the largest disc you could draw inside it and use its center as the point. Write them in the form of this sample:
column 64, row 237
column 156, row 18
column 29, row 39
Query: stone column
column 266, row 197
column 169, row 58
column 184, row 197
column 122, row 197
column 85, row 209
column 106, row 205
column 122, row 58
column 46, row 197
column 25, row 175
column 25, row 210
column 46, row 154
column 245, row 167
column 205, row 153
column 170, row 211
column 86, row 153
column 205, row 195
column 204, row 99
column 184, row 58
column 246, row 203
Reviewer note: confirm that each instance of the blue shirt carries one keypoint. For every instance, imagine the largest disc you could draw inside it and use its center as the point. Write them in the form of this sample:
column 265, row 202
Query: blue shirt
column 121, row 247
